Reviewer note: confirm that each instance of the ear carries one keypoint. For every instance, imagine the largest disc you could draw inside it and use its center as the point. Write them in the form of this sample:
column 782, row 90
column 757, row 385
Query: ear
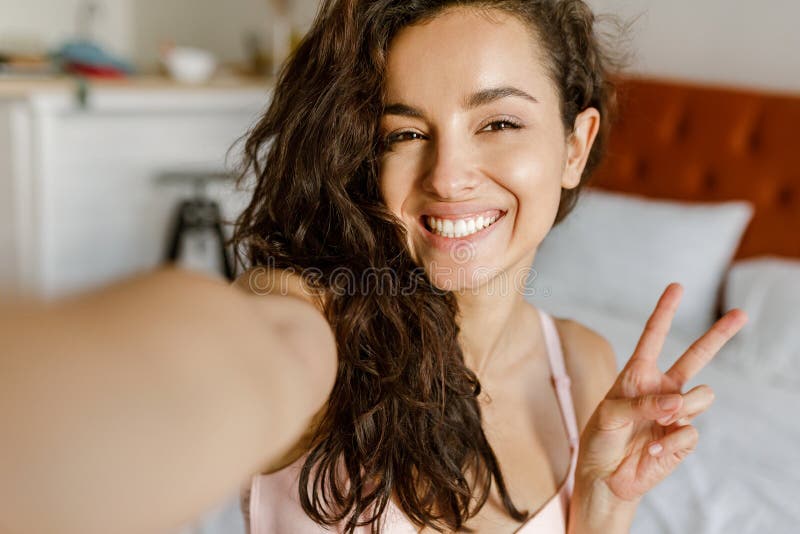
column 579, row 144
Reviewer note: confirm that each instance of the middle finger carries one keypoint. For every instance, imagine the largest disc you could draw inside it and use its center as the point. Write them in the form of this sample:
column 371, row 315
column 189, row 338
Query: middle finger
column 696, row 400
column 704, row 349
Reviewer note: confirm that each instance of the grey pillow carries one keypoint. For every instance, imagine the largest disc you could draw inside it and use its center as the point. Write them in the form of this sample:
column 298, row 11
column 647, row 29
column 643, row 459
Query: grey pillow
column 618, row 252
column 767, row 349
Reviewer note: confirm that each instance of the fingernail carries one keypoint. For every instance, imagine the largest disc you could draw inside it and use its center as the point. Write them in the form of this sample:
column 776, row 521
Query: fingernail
column 654, row 449
column 669, row 402
column 665, row 420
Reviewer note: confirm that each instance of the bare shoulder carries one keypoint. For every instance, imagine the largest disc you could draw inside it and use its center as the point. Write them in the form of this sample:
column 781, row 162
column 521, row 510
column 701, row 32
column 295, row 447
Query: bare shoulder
column 261, row 280
column 591, row 365
column 280, row 283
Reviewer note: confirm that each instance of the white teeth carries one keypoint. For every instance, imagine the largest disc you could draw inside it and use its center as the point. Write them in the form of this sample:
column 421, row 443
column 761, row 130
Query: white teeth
column 447, row 226
column 459, row 227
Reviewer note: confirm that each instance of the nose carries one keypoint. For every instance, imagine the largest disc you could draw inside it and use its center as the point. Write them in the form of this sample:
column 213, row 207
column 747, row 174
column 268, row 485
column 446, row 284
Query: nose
column 450, row 173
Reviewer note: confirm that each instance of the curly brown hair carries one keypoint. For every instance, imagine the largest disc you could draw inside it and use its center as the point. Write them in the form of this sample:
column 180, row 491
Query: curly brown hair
column 403, row 416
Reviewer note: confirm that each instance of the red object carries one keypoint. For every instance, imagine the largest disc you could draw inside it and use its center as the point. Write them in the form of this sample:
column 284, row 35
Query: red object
column 94, row 71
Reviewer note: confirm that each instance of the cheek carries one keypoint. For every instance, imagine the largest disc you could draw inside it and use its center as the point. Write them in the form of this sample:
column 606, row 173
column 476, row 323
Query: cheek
column 533, row 177
column 530, row 172
column 395, row 184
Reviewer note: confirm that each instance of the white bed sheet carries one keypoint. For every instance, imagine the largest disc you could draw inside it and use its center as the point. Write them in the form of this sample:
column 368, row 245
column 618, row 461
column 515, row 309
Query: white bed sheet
column 743, row 478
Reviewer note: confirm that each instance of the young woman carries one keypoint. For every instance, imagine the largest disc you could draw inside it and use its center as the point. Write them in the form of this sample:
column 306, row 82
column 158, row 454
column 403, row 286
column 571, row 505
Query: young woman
column 377, row 366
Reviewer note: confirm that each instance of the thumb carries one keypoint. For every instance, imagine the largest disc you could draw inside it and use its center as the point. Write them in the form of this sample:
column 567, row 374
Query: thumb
column 617, row 413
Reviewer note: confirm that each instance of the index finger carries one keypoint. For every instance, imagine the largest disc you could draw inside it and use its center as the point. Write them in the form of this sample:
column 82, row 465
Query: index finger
column 706, row 347
column 657, row 327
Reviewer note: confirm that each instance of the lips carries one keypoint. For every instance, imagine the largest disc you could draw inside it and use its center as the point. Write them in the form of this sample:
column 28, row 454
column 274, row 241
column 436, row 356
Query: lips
column 461, row 227
column 454, row 214
column 447, row 243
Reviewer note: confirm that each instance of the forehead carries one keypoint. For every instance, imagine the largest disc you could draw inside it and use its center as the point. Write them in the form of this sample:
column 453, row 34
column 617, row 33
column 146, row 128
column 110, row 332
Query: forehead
column 462, row 50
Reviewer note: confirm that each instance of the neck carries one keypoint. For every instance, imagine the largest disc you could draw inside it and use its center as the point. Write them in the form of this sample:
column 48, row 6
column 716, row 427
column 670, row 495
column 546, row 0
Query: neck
column 490, row 328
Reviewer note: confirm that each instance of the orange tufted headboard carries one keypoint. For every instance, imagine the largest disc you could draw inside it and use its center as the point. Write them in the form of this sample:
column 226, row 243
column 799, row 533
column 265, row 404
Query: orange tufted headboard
column 701, row 143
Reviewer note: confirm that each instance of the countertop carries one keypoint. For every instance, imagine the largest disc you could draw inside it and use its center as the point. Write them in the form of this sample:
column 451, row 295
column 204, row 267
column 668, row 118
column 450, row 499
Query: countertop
column 65, row 93
column 11, row 86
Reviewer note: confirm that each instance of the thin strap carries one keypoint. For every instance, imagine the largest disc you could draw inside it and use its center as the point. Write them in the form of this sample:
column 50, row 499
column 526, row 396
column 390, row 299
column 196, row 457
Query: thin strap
column 253, row 502
column 560, row 378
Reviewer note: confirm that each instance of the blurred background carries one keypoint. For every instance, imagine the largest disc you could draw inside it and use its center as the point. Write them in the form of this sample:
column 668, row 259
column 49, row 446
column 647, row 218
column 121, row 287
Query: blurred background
column 116, row 121
column 134, row 29
column 119, row 122
column 100, row 99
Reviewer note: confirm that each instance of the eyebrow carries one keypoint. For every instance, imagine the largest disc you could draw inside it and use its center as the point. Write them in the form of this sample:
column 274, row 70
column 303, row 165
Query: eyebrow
column 491, row 94
column 480, row 98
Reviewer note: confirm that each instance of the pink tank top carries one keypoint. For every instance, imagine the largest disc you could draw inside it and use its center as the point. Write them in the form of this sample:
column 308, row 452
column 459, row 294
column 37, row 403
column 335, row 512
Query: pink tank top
column 274, row 506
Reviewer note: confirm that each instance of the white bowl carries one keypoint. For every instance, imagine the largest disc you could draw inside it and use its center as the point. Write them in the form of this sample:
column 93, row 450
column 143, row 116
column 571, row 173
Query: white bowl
column 190, row 65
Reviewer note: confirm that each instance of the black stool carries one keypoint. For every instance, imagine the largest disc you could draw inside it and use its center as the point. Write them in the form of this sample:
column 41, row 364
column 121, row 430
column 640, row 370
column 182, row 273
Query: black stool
column 197, row 215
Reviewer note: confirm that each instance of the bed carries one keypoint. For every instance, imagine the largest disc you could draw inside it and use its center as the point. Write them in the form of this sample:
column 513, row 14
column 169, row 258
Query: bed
column 700, row 187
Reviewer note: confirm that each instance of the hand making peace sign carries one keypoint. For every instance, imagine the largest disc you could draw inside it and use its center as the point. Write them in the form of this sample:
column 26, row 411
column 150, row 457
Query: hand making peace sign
column 629, row 423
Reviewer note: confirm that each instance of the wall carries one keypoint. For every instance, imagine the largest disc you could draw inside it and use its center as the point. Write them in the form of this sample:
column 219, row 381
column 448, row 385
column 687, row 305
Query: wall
column 34, row 25
column 730, row 42
column 134, row 28
column 212, row 24
column 738, row 42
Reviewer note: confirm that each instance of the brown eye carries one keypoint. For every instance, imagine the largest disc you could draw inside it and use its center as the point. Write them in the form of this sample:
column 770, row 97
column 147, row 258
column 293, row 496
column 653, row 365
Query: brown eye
column 398, row 137
column 509, row 125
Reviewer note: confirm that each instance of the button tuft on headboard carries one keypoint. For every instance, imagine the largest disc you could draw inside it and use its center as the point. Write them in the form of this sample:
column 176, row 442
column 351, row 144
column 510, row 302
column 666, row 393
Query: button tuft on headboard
column 754, row 138
column 710, row 180
column 786, row 196
column 680, row 132
column 642, row 172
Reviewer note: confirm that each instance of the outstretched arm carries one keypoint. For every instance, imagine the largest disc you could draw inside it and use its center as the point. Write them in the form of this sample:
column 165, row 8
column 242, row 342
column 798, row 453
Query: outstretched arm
column 137, row 407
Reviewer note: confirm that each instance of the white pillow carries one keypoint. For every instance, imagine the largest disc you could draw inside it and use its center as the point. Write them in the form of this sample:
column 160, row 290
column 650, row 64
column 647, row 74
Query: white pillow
column 767, row 348
column 618, row 252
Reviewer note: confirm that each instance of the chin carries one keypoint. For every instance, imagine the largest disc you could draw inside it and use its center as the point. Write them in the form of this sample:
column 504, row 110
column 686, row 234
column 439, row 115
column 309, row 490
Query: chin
column 468, row 277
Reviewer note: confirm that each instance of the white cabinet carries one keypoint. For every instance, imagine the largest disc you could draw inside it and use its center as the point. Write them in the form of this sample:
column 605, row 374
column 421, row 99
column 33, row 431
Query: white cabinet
column 79, row 201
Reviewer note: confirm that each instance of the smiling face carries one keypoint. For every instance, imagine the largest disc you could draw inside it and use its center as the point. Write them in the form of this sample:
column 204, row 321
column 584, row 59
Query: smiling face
column 476, row 152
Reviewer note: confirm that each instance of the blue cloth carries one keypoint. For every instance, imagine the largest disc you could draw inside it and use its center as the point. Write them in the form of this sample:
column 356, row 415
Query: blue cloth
column 89, row 53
